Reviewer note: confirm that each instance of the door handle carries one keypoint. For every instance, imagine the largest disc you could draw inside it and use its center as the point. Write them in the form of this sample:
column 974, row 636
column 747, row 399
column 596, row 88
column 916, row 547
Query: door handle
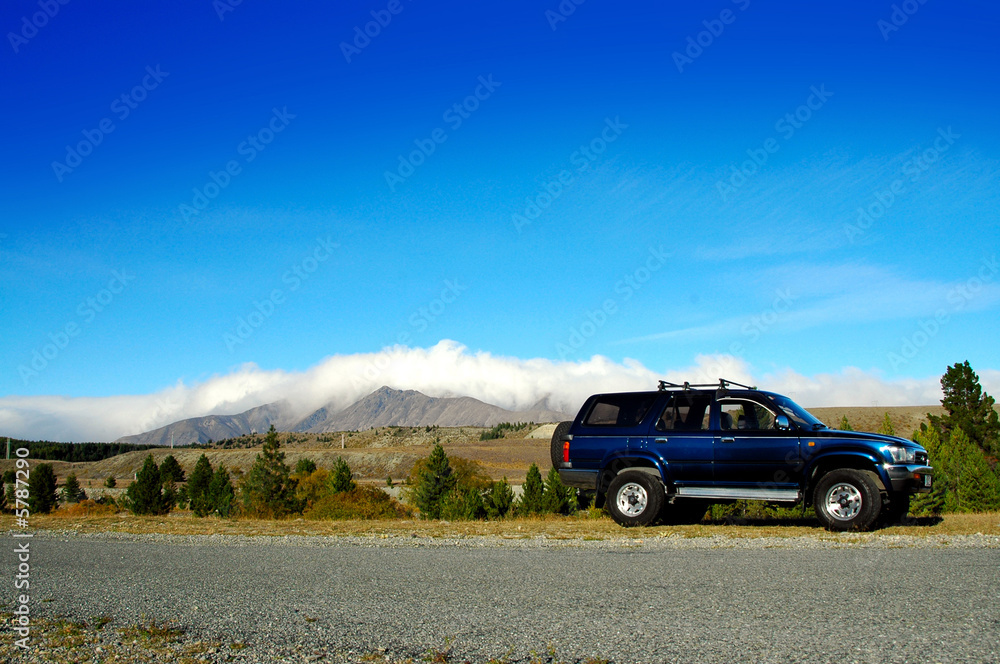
column 661, row 440
column 728, row 439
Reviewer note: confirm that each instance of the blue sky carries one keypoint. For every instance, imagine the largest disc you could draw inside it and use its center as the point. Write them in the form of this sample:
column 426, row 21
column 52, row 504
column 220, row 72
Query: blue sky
column 197, row 186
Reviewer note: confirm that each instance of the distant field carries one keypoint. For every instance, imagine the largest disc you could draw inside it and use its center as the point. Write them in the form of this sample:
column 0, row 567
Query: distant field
column 377, row 454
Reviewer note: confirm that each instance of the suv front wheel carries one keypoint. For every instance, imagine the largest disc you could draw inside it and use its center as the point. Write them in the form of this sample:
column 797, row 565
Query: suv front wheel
column 634, row 498
column 847, row 499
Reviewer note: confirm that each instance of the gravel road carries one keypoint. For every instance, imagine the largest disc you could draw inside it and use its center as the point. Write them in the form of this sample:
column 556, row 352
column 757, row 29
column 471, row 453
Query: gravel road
column 670, row 599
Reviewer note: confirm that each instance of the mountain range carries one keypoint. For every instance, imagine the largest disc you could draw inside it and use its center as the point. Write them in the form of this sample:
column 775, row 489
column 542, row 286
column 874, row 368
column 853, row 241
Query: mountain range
column 383, row 407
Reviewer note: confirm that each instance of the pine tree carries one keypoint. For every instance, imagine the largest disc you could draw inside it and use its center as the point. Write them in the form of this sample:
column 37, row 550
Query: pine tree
column 886, row 429
column 969, row 408
column 977, row 485
column 844, row 424
column 268, row 489
column 557, row 497
column 197, row 487
column 498, row 499
column 42, row 489
column 463, row 504
column 342, row 479
column 110, row 483
column 220, row 492
column 71, row 492
column 927, row 504
column 436, row 479
column 532, row 492
column 170, row 468
column 145, row 494
column 305, row 466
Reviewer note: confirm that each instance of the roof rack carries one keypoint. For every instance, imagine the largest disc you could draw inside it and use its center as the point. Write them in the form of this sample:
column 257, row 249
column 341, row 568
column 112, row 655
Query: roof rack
column 723, row 384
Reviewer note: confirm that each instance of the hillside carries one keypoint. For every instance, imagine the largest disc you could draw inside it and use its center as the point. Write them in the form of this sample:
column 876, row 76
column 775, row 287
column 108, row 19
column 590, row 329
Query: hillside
column 383, row 407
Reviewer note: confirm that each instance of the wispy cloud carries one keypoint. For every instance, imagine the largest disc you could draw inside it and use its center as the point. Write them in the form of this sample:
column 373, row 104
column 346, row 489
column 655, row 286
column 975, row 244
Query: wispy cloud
column 446, row 369
column 841, row 294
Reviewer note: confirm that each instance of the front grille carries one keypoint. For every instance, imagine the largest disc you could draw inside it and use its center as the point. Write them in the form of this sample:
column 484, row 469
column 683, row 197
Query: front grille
column 921, row 458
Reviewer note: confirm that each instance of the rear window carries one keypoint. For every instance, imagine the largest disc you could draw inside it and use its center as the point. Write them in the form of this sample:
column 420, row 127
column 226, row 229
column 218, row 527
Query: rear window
column 619, row 410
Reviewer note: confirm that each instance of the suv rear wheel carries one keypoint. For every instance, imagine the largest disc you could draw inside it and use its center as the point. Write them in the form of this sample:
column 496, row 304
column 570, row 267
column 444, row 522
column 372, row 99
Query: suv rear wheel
column 556, row 445
column 635, row 498
column 847, row 499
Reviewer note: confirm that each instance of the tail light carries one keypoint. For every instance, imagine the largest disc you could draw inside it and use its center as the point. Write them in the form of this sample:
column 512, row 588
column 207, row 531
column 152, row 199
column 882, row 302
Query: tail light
column 565, row 451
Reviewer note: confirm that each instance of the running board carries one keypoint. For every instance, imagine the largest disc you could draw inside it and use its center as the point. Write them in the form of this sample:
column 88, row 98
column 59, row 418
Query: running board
column 740, row 493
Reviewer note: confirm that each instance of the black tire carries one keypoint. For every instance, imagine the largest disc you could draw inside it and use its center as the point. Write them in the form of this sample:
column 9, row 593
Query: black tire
column 897, row 510
column 555, row 447
column 683, row 511
column 635, row 498
column 847, row 499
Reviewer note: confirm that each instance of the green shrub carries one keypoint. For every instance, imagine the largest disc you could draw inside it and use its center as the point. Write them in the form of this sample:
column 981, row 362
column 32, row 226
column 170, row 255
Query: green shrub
column 342, row 479
column 42, row 497
column 197, row 487
column 435, row 478
column 169, row 468
column 221, row 494
column 71, row 491
column 145, row 495
column 360, row 503
column 499, row 499
column 532, row 492
column 557, row 498
column 268, row 489
column 463, row 504
column 305, row 466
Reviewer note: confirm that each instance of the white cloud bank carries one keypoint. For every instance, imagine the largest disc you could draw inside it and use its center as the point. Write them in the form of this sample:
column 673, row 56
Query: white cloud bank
column 446, row 369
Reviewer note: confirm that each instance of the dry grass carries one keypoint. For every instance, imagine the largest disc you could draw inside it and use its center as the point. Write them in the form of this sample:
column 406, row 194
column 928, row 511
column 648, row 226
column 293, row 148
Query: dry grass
column 551, row 527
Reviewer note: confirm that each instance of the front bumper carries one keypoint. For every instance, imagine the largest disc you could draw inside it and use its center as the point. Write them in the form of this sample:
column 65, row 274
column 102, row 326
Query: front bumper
column 910, row 478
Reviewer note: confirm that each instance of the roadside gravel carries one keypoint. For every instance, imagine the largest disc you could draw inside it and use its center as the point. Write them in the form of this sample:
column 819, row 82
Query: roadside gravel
column 824, row 598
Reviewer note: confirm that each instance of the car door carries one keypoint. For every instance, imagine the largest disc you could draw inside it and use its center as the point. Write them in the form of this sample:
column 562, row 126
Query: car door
column 681, row 437
column 749, row 449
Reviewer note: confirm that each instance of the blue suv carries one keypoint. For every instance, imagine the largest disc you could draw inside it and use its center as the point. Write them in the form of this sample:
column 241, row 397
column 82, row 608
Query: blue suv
column 669, row 454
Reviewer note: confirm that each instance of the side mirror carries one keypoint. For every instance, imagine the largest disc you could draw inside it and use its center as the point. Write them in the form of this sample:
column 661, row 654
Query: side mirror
column 781, row 423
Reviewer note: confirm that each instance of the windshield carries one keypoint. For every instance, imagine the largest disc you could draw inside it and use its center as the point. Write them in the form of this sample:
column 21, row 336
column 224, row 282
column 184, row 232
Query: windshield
column 797, row 413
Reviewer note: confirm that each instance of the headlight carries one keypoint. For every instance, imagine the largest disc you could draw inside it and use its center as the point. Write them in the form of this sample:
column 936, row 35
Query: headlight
column 901, row 454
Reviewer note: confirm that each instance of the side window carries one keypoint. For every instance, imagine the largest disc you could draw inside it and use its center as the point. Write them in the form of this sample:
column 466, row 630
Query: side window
column 603, row 414
column 685, row 412
column 744, row 416
column 621, row 410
